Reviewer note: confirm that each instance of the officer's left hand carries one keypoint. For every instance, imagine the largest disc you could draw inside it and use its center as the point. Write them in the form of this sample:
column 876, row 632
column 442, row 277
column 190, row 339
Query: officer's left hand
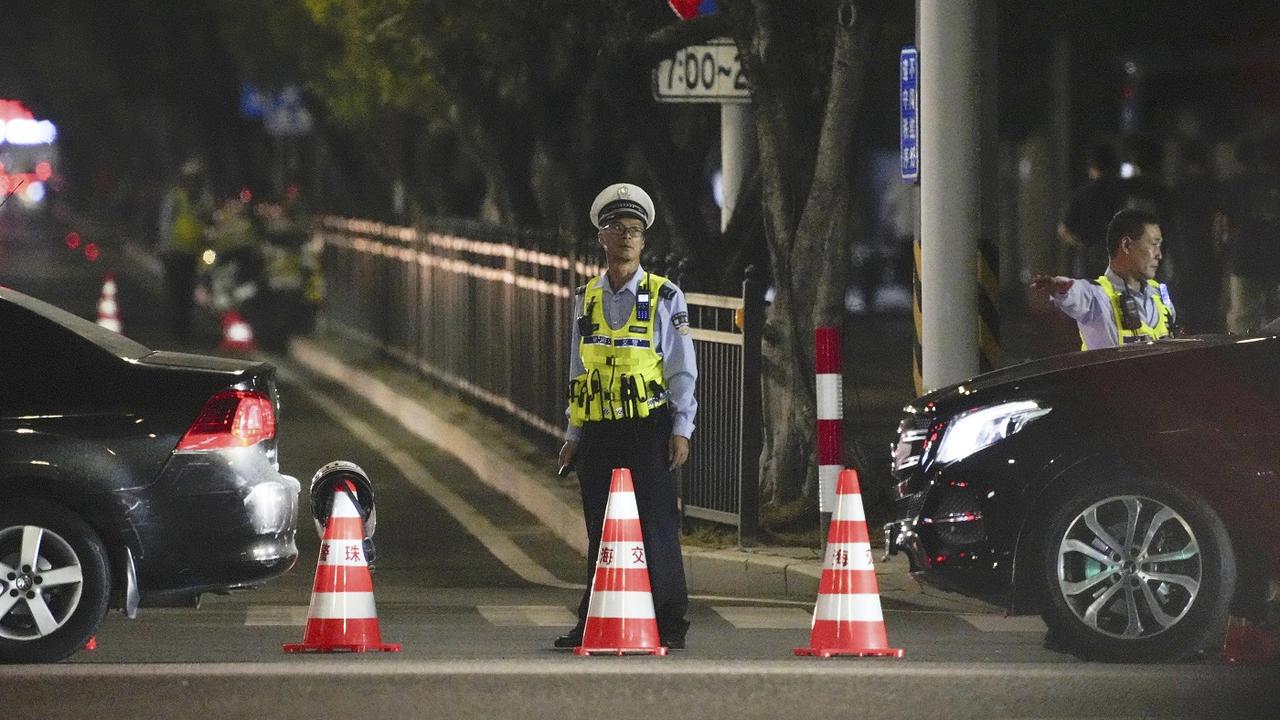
column 677, row 451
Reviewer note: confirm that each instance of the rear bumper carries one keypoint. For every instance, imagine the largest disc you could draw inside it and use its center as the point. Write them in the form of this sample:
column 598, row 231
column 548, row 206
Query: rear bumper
column 229, row 521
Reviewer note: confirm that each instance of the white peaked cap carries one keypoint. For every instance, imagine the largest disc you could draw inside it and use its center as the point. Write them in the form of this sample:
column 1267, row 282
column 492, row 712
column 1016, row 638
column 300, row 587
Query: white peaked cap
column 622, row 199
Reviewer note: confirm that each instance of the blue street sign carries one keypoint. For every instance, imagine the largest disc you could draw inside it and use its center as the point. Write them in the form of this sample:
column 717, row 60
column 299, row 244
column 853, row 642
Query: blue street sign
column 909, row 112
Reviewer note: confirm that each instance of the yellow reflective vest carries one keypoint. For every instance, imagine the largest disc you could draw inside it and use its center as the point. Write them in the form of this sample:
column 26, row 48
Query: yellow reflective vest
column 1145, row 331
column 623, row 371
column 187, row 230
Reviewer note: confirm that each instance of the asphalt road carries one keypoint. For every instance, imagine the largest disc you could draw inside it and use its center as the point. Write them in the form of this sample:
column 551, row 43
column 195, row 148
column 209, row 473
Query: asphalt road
column 475, row 590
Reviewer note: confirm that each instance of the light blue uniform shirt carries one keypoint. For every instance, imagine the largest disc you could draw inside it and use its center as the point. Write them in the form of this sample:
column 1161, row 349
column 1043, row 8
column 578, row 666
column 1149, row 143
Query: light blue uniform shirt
column 679, row 368
column 1090, row 307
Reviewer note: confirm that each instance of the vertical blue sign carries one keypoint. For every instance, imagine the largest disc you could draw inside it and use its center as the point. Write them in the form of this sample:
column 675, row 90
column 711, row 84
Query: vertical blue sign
column 909, row 112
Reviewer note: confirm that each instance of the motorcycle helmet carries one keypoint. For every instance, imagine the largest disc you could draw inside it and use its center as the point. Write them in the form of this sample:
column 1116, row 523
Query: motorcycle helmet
column 325, row 482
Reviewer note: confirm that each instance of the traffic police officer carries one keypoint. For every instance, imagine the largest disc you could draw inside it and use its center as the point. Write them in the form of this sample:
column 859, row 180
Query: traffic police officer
column 1125, row 304
column 631, row 401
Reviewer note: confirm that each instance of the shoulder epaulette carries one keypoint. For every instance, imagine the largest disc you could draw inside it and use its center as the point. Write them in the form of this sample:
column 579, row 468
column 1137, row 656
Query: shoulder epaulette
column 667, row 291
column 580, row 290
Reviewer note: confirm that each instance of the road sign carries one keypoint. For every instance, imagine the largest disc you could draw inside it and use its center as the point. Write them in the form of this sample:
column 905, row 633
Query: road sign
column 286, row 115
column 702, row 73
column 690, row 9
column 909, row 112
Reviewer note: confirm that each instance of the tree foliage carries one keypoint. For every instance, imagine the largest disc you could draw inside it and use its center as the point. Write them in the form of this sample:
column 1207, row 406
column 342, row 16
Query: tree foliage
column 517, row 112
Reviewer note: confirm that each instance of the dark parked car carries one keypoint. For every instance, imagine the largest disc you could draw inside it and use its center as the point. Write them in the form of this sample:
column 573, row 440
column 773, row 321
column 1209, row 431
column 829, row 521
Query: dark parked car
column 1130, row 495
column 127, row 476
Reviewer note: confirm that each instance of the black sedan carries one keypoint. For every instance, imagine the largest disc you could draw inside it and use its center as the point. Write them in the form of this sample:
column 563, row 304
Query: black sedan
column 1130, row 495
column 127, row 477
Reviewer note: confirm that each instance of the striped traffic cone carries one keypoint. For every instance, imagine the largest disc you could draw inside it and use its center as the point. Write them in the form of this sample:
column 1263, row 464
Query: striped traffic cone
column 108, row 310
column 847, row 619
column 1248, row 644
column 620, row 617
column 237, row 333
column 342, row 614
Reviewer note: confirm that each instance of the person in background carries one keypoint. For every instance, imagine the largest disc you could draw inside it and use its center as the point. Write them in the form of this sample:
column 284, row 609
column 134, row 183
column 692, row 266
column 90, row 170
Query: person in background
column 631, row 402
column 1125, row 304
column 1198, row 282
column 1248, row 226
column 1082, row 232
column 185, row 215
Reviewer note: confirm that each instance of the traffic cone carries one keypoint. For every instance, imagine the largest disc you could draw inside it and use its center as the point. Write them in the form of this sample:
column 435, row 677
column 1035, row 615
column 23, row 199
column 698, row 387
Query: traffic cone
column 237, row 333
column 1248, row 644
column 108, row 310
column 342, row 615
column 620, row 616
column 847, row 619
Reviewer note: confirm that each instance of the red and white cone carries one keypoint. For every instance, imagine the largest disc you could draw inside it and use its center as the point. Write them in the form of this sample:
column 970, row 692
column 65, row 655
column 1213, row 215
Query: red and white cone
column 108, row 310
column 620, row 616
column 342, row 616
column 847, row 619
column 1248, row 644
column 237, row 333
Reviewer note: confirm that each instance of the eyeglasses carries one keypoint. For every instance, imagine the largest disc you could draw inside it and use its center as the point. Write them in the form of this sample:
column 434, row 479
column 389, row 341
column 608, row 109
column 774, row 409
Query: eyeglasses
column 618, row 230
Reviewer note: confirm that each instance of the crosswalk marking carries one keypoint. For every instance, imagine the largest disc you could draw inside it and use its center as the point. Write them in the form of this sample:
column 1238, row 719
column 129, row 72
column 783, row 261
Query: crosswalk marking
column 260, row 615
column 765, row 618
column 741, row 617
column 520, row 615
column 1002, row 623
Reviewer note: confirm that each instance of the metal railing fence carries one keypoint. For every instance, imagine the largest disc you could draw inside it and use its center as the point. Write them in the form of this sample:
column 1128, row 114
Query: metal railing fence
column 491, row 319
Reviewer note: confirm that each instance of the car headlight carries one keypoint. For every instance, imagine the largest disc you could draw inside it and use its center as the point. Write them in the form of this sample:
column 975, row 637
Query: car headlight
column 974, row 430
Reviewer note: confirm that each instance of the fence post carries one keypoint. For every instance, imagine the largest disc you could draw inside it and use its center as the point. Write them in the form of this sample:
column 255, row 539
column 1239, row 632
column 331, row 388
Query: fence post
column 751, row 425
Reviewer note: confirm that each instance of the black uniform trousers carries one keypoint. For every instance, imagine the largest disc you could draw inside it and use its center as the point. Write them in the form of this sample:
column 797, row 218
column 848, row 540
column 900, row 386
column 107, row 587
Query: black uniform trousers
column 641, row 445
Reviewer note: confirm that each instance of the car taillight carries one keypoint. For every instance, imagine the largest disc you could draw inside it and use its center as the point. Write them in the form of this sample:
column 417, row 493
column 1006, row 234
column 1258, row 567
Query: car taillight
column 231, row 419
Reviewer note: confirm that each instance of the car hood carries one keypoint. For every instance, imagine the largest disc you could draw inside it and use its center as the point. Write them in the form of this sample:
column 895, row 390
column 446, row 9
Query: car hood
column 1035, row 370
column 191, row 361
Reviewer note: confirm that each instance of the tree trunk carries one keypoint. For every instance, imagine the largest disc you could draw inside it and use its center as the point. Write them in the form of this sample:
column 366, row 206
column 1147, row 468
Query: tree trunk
column 808, row 214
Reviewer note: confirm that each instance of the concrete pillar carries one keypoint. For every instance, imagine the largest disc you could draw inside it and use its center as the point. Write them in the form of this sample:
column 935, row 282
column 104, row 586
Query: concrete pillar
column 737, row 142
column 951, row 183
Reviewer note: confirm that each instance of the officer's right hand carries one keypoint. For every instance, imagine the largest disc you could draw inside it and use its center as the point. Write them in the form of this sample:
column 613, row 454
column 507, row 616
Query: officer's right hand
column 1056, row 283
column 567, row 452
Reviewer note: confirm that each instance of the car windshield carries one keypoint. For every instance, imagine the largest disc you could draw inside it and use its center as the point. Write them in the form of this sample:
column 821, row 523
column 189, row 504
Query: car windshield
column 112, row 342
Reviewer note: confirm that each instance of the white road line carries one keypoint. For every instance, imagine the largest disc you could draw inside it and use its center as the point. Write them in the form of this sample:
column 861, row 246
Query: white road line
column 765, row 618
column 275, row 615
column 489, row 535
column 1001, row 623
column 525, row 615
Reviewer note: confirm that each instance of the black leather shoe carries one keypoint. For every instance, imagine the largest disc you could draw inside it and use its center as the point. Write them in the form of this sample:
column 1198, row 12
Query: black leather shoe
column 571, row 639
column 672, row 633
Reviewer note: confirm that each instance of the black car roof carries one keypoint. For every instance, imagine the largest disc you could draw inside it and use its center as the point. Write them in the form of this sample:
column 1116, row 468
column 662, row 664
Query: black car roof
column 112, row 342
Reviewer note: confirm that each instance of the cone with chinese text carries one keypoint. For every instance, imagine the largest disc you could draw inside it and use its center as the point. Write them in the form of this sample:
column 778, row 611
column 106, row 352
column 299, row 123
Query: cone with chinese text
column 108, row 309
column 237, row 333
column 342, row 616
column 847, row 619
column 620, row 615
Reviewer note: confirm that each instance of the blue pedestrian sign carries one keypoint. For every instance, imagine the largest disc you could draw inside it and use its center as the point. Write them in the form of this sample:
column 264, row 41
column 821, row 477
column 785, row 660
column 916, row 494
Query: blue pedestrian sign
column 909, row 112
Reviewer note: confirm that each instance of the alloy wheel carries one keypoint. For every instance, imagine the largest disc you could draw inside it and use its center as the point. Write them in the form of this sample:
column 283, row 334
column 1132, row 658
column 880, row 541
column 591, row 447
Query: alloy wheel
column 41, row 582
column 1129, row 567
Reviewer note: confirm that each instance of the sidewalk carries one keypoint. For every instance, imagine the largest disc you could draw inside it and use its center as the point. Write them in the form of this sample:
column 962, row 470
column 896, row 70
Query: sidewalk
column 519, row 469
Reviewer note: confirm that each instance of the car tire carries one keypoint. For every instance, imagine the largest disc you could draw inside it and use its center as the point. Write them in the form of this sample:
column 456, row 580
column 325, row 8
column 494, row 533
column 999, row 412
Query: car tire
column 49, row 609
column 1135, row 570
